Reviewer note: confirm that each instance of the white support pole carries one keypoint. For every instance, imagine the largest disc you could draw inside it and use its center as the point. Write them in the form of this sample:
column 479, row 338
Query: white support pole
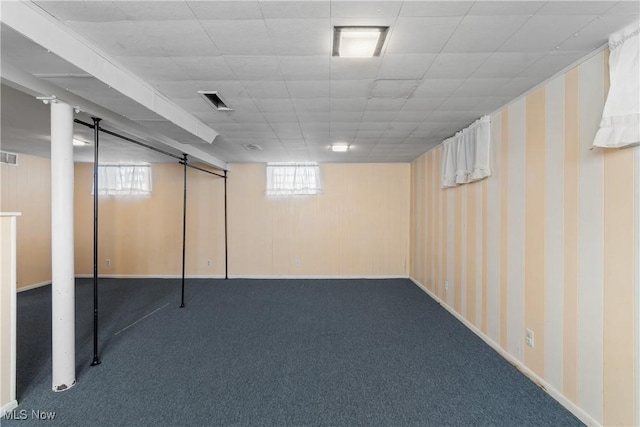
column 62, row 262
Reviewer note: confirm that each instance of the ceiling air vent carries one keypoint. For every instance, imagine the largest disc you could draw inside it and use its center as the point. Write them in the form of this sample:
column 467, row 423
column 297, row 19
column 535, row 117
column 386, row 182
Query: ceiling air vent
column 8, row 158
column 213, row 98
column 252, row 147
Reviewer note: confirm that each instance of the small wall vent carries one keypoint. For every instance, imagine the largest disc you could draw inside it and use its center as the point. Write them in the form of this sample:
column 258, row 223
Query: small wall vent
column 214, row 99
column 8, row 158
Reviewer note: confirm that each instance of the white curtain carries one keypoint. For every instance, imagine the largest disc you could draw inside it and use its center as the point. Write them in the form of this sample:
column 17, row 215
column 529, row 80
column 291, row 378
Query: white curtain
column 465, row 156
column 620, row 124
column 120, row 179
column 288, row 179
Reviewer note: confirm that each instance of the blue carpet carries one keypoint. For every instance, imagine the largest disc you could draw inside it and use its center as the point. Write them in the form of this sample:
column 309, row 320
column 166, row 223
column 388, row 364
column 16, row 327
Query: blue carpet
column 272, row 352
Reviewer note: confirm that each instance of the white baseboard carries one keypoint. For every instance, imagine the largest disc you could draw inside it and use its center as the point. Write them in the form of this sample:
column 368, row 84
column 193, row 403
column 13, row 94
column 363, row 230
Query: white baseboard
column 8, row 407
column 314, row 277
column 35, row 285
column 548, row 388
column 149, row 276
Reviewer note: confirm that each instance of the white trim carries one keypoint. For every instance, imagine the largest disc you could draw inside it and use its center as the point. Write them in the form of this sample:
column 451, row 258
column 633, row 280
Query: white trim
column 315, row 277
column 33, row 286
column 548, row 388
column 8, row 407
column 151, row 276
column 637, row 279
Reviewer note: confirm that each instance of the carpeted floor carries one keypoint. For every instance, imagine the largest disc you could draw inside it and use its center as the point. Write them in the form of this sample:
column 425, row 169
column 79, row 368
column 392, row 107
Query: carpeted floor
column 271, row 352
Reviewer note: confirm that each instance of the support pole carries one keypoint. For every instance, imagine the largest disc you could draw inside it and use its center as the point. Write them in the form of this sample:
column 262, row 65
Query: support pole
column 96, row 132
column 226, row 249
column 63, row 352
column 184, row 223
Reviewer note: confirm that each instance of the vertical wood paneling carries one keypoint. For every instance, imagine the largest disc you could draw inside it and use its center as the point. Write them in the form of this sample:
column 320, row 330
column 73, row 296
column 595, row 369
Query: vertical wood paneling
column 504, row 226
column 590, row 240
column 462, row 243
column 482, row 260
column 494, row 238
column 554, row 234
column 516, row 235
column 571, row 178
column 450, row 265
column 471, row 249
column 534, row 218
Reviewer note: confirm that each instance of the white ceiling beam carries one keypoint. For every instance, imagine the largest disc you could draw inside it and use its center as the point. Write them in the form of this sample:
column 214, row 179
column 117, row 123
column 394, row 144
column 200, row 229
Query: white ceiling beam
column 34, row 23
column 20, row 80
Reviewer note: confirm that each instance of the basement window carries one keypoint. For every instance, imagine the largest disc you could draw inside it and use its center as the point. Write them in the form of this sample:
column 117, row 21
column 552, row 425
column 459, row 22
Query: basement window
column 293, row 179
column 124, row 179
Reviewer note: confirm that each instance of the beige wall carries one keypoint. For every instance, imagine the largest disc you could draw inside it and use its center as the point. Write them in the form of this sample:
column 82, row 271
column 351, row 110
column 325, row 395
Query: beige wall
column 359, row 227
column 26, row 188
column 546, row 243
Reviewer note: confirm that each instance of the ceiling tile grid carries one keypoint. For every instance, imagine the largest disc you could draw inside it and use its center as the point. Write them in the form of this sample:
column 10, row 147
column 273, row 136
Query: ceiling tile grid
column 444, row 64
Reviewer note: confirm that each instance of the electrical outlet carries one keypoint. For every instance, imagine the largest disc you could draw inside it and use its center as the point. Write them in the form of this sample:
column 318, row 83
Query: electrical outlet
column 529, row 338
column 209, row 263
column 446, row 286
column 297, row 263
column 108, row 263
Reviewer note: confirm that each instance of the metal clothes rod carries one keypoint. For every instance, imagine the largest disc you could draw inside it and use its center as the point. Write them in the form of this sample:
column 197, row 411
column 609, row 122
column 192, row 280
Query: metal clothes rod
column 207, row 171
column 96, row 359
column 142, row 144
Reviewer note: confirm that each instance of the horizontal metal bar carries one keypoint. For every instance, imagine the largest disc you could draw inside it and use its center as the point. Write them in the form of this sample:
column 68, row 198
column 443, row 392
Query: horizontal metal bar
column 204, row 170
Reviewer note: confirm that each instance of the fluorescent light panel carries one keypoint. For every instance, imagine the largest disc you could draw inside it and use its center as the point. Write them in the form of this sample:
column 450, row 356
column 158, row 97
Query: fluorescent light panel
column 340, row 148
column 79, row 143
column 358, row 42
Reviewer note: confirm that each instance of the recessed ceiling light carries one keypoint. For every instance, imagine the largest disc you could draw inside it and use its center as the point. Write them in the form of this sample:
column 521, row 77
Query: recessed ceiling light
column 358, row 42
column 340, row 148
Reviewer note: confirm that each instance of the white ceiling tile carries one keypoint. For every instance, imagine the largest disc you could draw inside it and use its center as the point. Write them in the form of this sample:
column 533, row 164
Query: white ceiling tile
column 295, row 9
column 385, row 104
column 405, row 66
column 467, row 103
column 311, row 105
column 375, row 116
column 474, row 87
column 544, row 33
column 342, row 116
column 354, row 68
column 148, row 38
column 271, row 105
column 627, row 7
column 341, row 126
column 93, row 11
column 364, row 9
column 421, row 35
column 160, row 11
column 561, row 7
column 550, row 64
column 393, row 88
column 596, row 33
column 492, row 103
column 423, row 104
column 305, row 67
column 348, row 104
column 410, row 116
column 350, row 88
column 226, row 9
column 308, row 89
column 312, row 36
column 456, row 65
column 254, row 67
column 190, row 88
column 435, row 8
column 506, row 64
column 202, row 68
column 268, row 89
column 517, row 86
column 483, row 33
column 314, row 117
column 239, row 37
column 365, row 128
column 431, row 87
column 489, row 8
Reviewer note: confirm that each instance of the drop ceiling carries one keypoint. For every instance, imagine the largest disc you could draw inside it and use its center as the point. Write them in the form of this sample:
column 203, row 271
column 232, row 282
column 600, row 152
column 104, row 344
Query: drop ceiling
column 444, row 64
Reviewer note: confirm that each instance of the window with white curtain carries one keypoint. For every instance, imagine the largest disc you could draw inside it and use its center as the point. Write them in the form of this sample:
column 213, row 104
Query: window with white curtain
column 124, row 179
column 620, row 124
column 465, row 156
column 291, row 179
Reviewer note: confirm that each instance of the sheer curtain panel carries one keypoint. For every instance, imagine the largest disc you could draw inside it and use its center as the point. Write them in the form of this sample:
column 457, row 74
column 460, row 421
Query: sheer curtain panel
column 620, row 124
column 465, row 156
